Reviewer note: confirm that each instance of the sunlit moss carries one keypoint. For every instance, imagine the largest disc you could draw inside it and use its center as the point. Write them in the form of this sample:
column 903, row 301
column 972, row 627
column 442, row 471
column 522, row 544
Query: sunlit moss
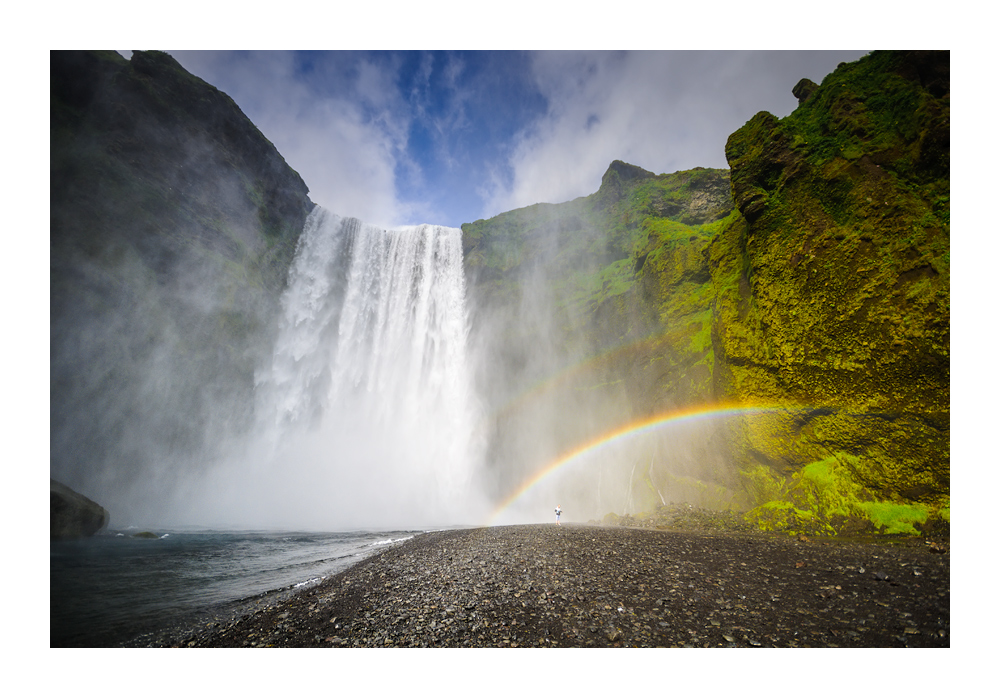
column 825, row 497
column 891, row 517
column 786, row 517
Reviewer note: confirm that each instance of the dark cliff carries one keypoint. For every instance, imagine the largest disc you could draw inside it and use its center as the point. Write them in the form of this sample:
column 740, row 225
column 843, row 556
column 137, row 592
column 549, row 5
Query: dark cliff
column 812, row 277
column 173, row 221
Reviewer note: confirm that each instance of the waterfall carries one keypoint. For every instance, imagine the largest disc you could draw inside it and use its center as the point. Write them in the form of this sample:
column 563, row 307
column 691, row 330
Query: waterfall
column 367, row 402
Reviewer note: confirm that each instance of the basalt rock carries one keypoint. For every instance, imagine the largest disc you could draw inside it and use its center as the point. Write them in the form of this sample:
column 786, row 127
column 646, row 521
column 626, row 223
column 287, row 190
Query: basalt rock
column 173, row 222
column 71, row 515
column 803, row 89
column 617, row 181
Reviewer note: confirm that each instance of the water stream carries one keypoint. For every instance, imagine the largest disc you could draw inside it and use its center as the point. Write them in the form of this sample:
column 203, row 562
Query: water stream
column 368, row 401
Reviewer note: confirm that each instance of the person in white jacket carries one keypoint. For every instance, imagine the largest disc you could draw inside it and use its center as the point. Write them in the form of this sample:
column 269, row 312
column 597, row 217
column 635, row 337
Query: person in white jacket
column 558, row 512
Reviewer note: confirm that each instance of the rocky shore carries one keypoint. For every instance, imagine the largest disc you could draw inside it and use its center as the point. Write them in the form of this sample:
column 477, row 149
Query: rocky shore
column 595, row 586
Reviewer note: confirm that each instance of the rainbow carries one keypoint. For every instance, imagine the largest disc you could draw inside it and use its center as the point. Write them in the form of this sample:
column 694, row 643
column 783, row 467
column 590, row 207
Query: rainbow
column 543, row 386
column 629, row 431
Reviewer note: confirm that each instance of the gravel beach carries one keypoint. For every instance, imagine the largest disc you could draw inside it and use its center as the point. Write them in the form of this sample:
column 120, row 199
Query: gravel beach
column 594, row 586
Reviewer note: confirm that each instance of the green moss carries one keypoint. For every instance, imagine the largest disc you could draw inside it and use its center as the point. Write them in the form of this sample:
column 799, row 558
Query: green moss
column 825, row 497
column 891, row 517
column 616, row 278
column 702, row 340
column 667, row 230
column 785, row 517
column 867, row 108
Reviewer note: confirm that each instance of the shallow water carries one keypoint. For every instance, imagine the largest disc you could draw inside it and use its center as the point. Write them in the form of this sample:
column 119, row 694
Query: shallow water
column 109, row 589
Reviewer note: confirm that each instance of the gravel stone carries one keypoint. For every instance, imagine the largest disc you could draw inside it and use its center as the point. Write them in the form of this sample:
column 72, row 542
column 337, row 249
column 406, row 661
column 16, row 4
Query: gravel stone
column 597, row 586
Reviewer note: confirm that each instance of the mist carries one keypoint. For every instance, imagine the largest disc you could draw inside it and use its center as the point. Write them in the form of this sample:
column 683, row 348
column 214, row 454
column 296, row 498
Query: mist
column 362, row 417
column 155, row 329
column 365, row 418
column 184, row 392
column 556, row 367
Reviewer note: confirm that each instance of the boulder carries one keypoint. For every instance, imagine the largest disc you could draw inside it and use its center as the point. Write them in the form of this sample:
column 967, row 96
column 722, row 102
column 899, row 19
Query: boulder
column 72, row 515
column 804, row 88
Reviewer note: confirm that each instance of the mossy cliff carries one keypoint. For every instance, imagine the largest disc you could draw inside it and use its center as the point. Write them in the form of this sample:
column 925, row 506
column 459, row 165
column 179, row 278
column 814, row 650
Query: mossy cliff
column 832, row 287
column 173, row 224
column 595, row 313
column 821, row 285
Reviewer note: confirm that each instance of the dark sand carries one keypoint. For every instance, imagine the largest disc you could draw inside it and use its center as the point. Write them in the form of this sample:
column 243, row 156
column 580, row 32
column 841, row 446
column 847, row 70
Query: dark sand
column 592, row 586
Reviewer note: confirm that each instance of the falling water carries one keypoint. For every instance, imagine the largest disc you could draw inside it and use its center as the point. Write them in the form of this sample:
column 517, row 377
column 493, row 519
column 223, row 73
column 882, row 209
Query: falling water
column 365, row 422
column 375, row 319
column 366, row 410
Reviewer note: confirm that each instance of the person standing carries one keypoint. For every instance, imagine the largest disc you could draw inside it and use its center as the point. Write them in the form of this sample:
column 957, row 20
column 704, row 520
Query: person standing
column 558, row 513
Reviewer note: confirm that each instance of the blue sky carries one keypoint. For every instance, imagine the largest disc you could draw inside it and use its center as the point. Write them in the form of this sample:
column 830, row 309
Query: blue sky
column 446, row 137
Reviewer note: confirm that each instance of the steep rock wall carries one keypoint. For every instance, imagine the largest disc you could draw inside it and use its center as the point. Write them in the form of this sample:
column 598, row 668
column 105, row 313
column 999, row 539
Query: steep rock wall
column 71, row 515
column 173, row 223
column 832, row 287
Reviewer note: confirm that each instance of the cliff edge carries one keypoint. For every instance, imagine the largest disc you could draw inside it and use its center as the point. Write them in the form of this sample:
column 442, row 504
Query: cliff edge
column 173, row 222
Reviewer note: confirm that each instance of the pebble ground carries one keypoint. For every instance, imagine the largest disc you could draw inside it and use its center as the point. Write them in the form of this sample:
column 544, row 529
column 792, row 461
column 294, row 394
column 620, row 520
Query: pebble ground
column 594, row 586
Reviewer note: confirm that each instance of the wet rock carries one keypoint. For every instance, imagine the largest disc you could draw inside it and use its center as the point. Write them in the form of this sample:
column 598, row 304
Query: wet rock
column 71, row 515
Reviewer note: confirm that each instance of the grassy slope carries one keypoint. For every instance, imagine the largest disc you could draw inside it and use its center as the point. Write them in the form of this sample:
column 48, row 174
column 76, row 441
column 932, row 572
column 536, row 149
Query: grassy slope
column 603, row 301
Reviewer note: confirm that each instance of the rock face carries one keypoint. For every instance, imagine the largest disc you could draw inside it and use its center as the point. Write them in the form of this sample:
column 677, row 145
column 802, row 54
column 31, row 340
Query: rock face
column 803, row 89
column 825, row 293
column 173, row 223
column 72, row 515
column 832, row 291
column 595, row 313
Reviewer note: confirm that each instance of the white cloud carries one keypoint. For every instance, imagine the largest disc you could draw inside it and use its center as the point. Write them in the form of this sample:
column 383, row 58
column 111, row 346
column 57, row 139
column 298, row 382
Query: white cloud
column 344, row 125
column 663, row 111
column 345, row 143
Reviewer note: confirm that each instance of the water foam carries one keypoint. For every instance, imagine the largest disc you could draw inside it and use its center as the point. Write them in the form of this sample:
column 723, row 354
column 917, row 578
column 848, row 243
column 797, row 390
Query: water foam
column 369, row 391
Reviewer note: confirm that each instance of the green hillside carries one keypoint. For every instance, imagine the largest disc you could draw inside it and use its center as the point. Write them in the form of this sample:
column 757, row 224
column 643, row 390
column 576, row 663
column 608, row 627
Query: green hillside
column 815, row 281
